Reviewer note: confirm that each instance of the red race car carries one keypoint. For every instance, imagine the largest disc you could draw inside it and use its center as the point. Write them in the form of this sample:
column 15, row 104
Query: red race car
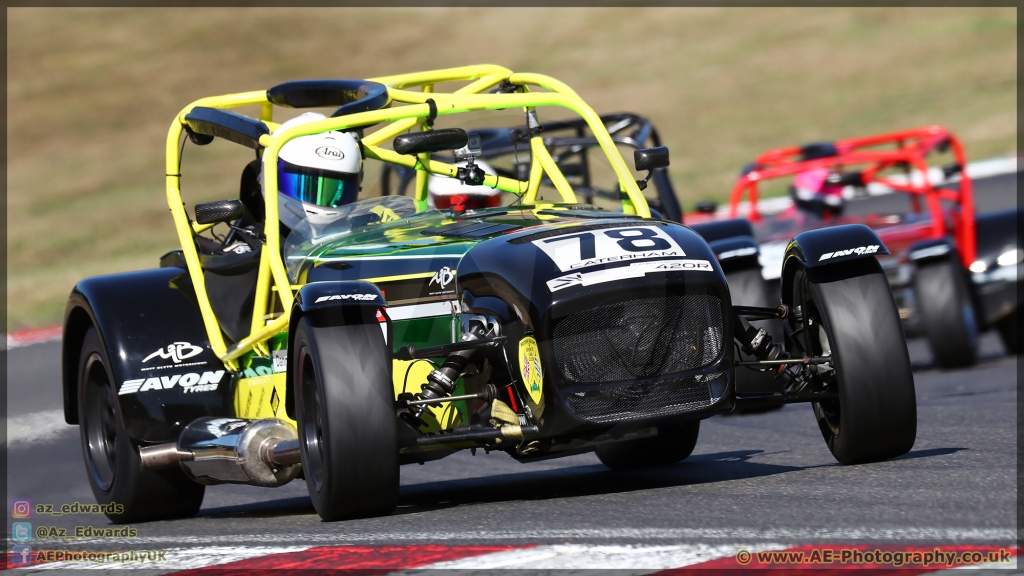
column 954, row 272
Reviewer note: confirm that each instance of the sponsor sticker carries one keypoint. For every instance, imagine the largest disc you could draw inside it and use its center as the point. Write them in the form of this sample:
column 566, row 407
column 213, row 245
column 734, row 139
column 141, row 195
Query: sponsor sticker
column 357, row 297
column 442, row 279
column 859, row 250
column 530, row 368
column 595, row 247
column 191, row 382
column 280, row 360
column 634, row 270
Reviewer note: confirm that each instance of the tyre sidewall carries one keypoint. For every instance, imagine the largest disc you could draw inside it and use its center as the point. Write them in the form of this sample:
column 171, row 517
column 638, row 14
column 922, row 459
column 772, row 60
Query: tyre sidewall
column 878, row 406
column 352, row 372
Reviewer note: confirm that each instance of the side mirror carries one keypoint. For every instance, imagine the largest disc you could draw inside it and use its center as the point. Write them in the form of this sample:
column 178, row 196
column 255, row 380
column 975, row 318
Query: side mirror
column 220, row 211
column 650, row 158
column 431, row 141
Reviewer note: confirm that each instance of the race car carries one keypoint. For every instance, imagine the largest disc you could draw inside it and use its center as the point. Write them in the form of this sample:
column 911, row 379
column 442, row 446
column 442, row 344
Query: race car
column 954, row 272
column 337, row 344
column 576, row 152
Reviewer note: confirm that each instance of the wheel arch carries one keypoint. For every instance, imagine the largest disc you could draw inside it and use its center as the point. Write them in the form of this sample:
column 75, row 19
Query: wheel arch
column 78, row 318
column 136, row 314
column 823, row 249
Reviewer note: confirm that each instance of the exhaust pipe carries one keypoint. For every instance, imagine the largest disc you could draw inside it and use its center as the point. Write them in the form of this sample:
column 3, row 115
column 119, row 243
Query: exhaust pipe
column 230, row 450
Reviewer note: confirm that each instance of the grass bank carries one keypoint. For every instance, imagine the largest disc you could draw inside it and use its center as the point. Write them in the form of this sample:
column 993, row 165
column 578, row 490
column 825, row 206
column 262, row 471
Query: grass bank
column 91, row 93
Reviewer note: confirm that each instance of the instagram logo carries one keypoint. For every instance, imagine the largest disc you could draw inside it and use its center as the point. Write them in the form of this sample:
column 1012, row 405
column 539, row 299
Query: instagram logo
column 21, row 509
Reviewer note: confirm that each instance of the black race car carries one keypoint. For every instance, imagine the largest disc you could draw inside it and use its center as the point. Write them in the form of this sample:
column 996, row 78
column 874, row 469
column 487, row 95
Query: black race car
column 395, row 334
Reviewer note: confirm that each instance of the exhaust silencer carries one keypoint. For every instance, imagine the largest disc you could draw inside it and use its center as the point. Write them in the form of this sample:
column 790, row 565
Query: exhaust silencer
column 230, row 450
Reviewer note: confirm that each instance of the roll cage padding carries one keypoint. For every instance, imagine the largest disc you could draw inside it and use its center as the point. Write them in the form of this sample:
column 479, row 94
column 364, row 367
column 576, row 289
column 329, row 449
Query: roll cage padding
column 351, row 96
column 227, row 125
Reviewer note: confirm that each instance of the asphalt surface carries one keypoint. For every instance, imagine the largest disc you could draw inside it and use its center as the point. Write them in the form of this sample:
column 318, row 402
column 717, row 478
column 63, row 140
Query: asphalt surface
column 753, row 478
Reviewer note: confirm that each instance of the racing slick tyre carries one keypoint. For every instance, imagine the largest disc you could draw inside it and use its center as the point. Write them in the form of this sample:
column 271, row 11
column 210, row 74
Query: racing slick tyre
column 672, row 444
column 849, row 313
column 749, row 288
column 947, row 313
column 1008, row 326
column 348, row 437
column 111, row 459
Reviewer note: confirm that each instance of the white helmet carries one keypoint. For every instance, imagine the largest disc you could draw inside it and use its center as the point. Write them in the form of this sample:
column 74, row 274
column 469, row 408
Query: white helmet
column 445, row 191
column 316, row 174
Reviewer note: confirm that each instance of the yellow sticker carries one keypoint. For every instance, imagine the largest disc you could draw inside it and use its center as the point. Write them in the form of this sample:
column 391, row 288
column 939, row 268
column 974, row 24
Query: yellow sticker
column 529, row 367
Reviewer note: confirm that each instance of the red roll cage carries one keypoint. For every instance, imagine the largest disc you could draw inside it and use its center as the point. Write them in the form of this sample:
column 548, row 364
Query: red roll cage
column 911, row 148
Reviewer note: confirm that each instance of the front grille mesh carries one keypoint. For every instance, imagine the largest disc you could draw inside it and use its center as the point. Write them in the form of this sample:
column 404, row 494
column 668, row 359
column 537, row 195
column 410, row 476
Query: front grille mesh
column 638, row 339
column 648, row 399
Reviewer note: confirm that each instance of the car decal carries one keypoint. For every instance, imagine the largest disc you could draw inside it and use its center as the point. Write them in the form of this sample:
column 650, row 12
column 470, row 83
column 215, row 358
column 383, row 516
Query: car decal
column 634, row 270
column 577, row 250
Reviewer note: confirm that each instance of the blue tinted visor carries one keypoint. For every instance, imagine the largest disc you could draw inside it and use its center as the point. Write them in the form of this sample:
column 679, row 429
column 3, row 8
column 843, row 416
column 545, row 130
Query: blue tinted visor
column 315, row 186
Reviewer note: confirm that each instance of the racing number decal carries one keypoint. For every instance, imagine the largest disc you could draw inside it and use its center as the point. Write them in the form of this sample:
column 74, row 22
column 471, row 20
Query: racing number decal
column 583, row 249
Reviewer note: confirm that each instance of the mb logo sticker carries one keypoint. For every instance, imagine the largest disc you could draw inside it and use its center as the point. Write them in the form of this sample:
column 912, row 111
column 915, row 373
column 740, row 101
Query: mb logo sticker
column 175, row 352
column 443, row 277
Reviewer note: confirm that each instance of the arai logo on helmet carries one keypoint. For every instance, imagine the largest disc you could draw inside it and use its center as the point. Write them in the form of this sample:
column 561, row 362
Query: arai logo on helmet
column 329, row 153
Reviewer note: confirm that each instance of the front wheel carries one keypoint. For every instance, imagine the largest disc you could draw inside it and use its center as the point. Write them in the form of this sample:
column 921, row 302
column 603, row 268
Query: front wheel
column 348, row 435
column 947, row 313
column 672, row 444
column 849, row 313
column 111, row 460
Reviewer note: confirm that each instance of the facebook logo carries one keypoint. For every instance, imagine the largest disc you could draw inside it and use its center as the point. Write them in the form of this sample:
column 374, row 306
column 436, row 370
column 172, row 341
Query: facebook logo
column 21, row 555
column 21, row 531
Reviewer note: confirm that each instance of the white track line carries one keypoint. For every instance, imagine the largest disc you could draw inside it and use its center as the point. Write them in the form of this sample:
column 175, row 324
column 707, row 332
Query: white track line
column 36, row 428
column 786, row 535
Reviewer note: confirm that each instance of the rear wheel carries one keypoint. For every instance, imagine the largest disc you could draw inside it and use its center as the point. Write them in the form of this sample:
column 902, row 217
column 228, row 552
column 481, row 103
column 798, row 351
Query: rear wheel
column 347, row 431
column 672, row 444
column 749, row 288
column 849, row 313
column 947, row 313
column 111, row 460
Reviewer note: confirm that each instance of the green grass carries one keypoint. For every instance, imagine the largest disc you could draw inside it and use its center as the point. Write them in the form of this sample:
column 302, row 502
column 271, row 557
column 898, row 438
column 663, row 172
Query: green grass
column 91, row 93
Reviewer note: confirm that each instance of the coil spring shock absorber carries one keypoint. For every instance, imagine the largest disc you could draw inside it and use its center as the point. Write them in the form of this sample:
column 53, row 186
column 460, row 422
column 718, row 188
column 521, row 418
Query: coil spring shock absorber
column 441, row 382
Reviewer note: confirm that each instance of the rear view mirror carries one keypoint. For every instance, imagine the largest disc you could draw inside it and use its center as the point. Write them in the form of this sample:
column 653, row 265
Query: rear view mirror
column 650, row 158
column 431, row 141
column 220, row 211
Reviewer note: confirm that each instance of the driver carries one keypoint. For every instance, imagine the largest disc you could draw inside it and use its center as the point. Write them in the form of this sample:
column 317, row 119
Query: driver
column 316, row 174
column 813, row 192
column 445, row 192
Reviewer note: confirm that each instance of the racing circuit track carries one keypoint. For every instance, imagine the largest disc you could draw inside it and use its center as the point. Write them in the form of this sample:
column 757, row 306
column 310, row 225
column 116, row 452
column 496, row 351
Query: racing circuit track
column 756, row 481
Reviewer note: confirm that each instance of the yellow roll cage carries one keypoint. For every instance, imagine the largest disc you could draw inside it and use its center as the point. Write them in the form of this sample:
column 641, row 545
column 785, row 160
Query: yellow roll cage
column 273, row 277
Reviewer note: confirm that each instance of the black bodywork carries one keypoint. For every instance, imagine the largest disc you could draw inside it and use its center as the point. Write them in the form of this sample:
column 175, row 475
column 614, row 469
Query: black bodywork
column 620, row 354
